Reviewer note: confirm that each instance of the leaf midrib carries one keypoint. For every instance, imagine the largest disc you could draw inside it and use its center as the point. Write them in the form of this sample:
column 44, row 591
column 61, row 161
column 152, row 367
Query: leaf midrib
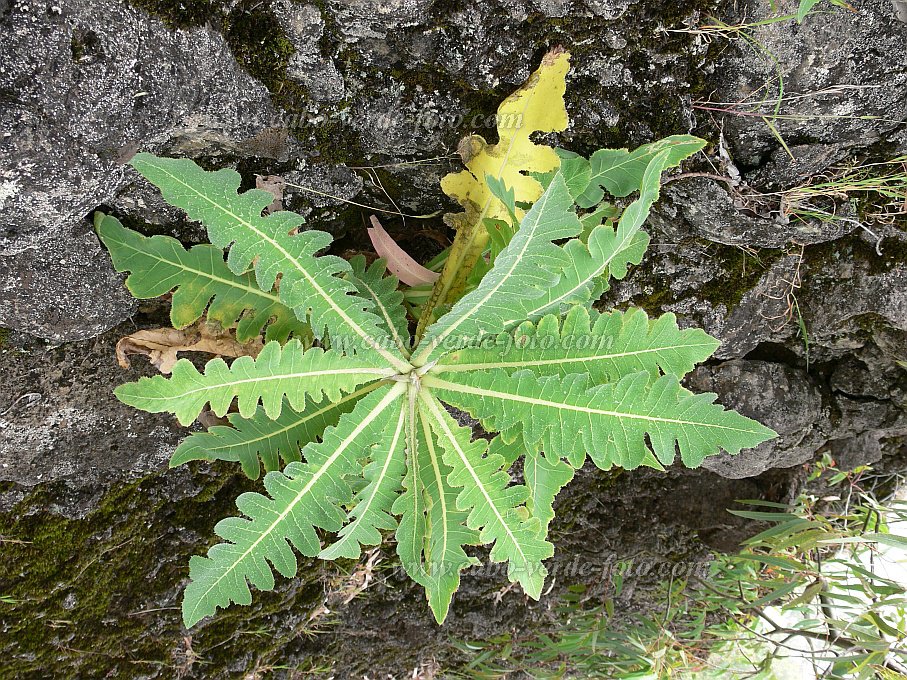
column 396, row 363
column 376, row 486
column 254, row 290
column 401, row 345
column 527, row 241
column 392, row 394
column 453, row 368
column 442, row 496
column 380, row 372
column 433, row 404
column 430, row 380
column 304, row 417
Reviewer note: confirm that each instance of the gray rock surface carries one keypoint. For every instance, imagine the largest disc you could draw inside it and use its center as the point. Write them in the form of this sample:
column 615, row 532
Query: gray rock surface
column 784, row 398
column 79, row 97
column 318, row 74
column 100, row 541
column 61, row 401
column 64, row 290
column 844, row 82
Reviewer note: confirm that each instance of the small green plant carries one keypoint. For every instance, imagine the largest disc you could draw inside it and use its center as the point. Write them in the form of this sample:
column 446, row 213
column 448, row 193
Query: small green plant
column 817, row 594
column 353, row 404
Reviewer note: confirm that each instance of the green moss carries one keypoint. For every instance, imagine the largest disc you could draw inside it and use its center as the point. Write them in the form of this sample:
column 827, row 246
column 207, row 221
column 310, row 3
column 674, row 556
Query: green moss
column 335, row 142
column 738, row 271
column 827, row 256
column 4, row 336
column 260, row 46
column 653, row 303
column 179, row 13
column 99, row 596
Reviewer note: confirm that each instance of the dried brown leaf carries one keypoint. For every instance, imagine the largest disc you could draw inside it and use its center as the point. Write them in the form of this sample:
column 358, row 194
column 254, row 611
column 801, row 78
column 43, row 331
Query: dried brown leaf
column 162, row 345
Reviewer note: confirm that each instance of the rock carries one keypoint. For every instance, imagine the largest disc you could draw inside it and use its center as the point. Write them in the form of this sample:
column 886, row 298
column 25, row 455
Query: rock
column 327, row 208
column 844, row 74
column 361, row 19
column 304, row 26
column 65, row 290
column 779, row 396
column 900, row 8
column 61, row 401
column 81, row 98
column 715, row 215
column 310, row 91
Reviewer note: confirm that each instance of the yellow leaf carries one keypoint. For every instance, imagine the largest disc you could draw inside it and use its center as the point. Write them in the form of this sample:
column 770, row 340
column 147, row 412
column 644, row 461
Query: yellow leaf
column 538, row 106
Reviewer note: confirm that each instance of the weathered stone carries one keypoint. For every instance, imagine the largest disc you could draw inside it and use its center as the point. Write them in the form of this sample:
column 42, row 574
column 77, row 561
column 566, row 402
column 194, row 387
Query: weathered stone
column 96, row 550
column 64, row 290
column 844, row 80
column 304, row 26
column 714, row 214
column 393, row 85
column 334, row 186
column 778, row 396
column 59, row 420
column 79, row 99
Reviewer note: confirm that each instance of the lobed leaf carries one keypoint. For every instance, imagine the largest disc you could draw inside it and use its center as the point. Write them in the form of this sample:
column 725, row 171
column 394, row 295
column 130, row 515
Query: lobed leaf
column 259, row 436
column 495, row 507
column 538, row 106
column 309, row 283
column 199, row 280
column 607, row 347
column 432, row 530
column 544, row 478
column 301, row 498
column 607, row 251
column 387, row 301
column 276, row 373
column 569, row 416
column 372, row 505
column 620, row 172
column 522, row 272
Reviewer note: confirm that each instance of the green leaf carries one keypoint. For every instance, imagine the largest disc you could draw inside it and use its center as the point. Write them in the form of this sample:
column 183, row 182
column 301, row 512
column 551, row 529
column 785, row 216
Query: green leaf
column 275, row 373
column 197, row 277
column 892, row 540
column 779, row 592
column 604, row 213
column 568, row 416
column 524, row 270
column 607, row 347
column 804, row 8
column 621, row 171
column 606, row 252
column 577, row 172
column 274, row 440
column 432, row 530
column 303, row 497
column 500, row 233
column 309, row 283
column 372, row 505
column 495, row 507
column 381, row 291
column 506, row 195
column 544, row 479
